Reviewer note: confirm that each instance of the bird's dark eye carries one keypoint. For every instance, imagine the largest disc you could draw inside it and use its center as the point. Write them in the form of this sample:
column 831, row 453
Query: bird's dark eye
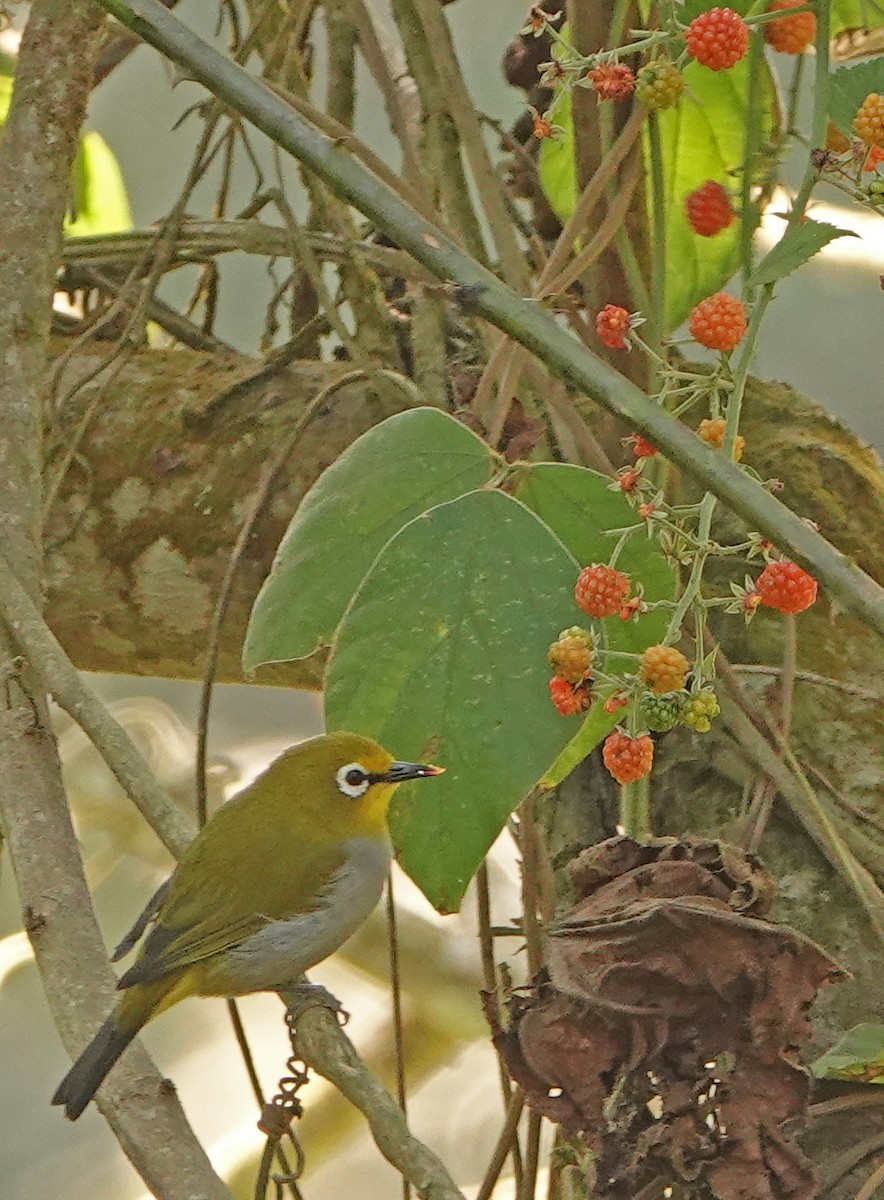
column 352, row 780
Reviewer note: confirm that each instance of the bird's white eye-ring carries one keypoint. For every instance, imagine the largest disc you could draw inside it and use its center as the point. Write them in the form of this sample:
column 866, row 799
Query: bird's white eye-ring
column 352, row 780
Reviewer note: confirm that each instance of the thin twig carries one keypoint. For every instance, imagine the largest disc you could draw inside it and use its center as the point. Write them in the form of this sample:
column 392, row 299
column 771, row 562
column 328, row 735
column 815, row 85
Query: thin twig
column 396, row 998
column 505, row 1143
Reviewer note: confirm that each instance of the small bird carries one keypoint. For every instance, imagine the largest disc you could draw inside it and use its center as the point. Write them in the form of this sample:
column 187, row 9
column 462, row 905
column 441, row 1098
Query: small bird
column 275, row 882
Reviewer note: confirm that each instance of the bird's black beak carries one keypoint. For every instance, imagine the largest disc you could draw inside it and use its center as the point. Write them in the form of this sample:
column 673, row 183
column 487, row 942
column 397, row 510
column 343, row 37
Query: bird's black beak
column 398, row 772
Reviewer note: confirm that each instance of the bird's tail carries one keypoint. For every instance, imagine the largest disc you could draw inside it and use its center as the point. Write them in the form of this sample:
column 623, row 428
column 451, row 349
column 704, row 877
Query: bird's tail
column 138, row 1005
column 86, row 1075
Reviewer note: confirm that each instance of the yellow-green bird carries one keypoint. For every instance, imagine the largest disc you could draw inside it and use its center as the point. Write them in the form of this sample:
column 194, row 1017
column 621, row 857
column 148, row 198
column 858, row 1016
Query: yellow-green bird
column 275, row 882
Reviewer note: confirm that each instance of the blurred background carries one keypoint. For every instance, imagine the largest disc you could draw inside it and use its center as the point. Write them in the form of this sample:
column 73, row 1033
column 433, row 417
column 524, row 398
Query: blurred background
column 455, row 1099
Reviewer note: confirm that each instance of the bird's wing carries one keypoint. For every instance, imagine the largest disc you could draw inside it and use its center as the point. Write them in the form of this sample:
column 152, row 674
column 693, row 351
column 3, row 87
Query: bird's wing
column 236, row 899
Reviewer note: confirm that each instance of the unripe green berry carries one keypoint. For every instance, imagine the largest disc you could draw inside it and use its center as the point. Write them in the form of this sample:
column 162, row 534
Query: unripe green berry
column 662, row 712
column 701, row 711
column 659, row 84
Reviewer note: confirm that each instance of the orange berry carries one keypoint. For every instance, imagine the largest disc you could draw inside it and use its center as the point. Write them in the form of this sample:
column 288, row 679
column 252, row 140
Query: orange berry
column 709, row 210
column 717, row 39
column 568, row 698
column 600, row 590
column 786, row 587
column 571, row 656
column 718, row 322
column 711, row 431
column 869, row 120
column 663, row 668
column 612, row 324
column 789, row 35
column 627, row 758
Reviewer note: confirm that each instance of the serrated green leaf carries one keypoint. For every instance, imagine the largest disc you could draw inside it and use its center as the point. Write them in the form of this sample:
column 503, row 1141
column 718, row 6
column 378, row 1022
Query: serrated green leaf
column 442, row 653
column 848, row 87
column 795, row 247
column 394, row 472
column 596, row 726
column 578, row 506
column 858, row 1056
column 703, row 138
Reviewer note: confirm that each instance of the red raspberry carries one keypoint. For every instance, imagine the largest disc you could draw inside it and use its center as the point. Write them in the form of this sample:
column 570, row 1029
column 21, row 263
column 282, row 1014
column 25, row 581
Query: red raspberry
column 718, row 38
column 571, row 656
column 615, row 700
column 789, row 35
column 612, row 325
column 641, row 448
column 711, row 431
column 663, row 669
column 628, row 758
column 627, row 480
column 601, row 590
column 718, row 322
column 786, row 587
column 869, row 120
column 568, row 698
column 615, row 81
column 709, row 209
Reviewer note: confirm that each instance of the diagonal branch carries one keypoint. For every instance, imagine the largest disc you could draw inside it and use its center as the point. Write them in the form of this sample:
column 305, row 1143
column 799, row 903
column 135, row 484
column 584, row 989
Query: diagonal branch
column 524, row 321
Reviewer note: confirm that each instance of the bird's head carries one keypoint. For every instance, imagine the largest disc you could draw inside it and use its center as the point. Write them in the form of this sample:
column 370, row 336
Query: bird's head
column 342, row 783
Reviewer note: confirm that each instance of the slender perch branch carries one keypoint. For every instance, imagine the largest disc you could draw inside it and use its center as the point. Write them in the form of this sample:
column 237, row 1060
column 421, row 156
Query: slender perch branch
column 523, row 320
column 326, row 1048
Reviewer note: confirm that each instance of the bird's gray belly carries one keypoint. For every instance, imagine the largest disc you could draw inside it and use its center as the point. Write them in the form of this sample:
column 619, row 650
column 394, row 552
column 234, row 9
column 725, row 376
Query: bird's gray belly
column 279, row 953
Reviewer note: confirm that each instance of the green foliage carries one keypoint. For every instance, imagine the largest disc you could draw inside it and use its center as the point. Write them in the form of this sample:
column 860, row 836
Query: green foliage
column 858, row 1056
column 848, row 87
column 703, row 137
column 393, row 473
column 440, row 595
column 854, row 14
column 443, row 654
column 796, row 246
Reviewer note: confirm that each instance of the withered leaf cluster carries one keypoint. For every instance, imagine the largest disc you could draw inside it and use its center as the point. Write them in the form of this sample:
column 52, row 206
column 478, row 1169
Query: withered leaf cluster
column 667, row 1027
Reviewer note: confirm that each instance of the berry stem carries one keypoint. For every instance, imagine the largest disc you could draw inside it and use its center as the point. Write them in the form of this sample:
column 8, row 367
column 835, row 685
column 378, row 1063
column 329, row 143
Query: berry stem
column 692, row 587
column 635, row 809
column 748, row 209
column 658, row 233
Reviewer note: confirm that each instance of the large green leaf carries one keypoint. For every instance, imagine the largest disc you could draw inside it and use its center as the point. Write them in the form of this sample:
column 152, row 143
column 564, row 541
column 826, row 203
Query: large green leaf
column 578, row 506
column 442, row 653
column 703, row 137
column 393, row 473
